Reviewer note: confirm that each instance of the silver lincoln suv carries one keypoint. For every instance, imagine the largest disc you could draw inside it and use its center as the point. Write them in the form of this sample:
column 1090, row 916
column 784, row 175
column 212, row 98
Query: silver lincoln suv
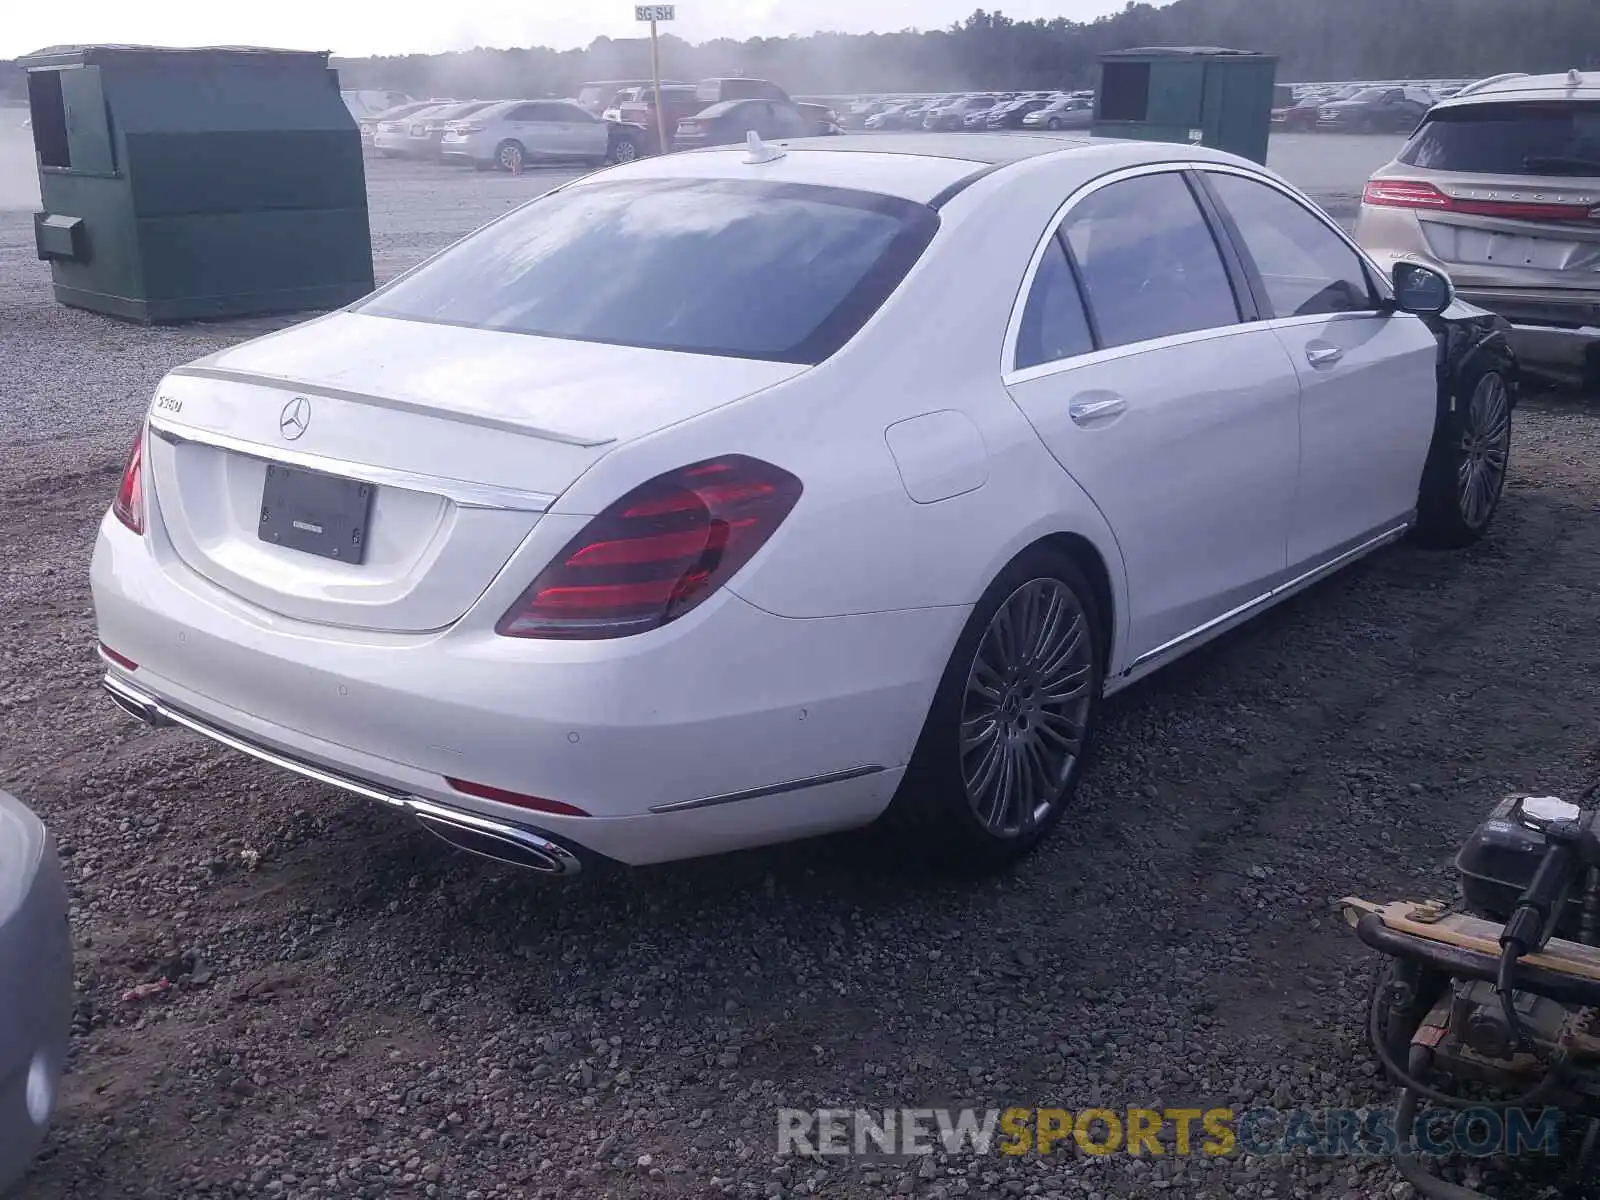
column 1500, row 187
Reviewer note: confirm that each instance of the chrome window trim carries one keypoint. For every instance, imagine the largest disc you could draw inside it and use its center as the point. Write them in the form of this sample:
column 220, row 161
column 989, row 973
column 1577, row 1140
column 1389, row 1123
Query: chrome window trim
column 1385, row 289
column 1009, row 373
column 460, row 492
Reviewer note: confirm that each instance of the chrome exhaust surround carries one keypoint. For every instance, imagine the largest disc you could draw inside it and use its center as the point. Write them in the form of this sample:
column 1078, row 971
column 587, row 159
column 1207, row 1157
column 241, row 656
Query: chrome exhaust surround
column 487, row 837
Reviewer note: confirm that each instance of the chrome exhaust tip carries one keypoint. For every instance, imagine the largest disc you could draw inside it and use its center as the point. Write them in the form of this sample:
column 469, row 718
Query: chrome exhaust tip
column 133, row 706
column 508, row 844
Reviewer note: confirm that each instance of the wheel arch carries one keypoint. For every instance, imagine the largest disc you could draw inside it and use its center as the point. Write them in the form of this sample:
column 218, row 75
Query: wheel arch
column 1088, row 559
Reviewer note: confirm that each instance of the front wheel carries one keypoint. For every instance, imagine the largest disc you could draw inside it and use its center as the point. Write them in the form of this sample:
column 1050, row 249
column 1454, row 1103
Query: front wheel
column 1052, row 123
column 623, row 150
column 1005, row 738
column 1466, row 468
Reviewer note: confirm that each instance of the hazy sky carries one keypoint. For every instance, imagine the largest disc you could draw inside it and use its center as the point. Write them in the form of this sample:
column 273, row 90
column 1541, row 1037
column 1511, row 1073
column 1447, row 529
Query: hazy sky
column 371, row 27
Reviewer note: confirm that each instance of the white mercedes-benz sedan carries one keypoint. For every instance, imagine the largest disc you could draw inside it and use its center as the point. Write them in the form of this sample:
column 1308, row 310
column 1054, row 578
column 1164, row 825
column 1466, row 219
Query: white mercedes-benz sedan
column 759, row 492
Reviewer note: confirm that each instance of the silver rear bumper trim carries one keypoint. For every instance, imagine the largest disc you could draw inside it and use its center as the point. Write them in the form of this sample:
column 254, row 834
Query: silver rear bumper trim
column 486, row 836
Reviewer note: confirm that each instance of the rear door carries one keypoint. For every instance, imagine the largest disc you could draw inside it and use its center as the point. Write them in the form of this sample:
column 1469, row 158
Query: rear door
column 1367, row 374
column 1178, row 417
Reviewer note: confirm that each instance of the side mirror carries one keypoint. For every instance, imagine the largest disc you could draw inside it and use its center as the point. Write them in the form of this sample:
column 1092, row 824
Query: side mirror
column 1421, row 290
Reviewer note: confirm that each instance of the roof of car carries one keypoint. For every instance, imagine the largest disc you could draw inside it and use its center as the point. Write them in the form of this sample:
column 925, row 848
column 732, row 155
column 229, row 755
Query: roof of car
column 979, row 149
column 1570, row 85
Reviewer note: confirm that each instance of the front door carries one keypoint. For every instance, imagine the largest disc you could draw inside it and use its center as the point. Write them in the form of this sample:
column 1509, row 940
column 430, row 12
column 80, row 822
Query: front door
column 1179, row 420
column 1367, row 374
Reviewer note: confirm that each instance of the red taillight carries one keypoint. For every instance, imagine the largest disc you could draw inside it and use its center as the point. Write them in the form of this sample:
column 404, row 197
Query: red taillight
column 534, row 803
column 129, row 504
column 1412, row 193
column 1403, row 193
column 657, row 552
column 121, row 660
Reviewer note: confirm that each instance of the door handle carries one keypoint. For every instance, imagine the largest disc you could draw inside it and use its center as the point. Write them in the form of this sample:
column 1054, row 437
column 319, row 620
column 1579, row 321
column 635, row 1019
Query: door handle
column 1087, row 411
column 1323, row 356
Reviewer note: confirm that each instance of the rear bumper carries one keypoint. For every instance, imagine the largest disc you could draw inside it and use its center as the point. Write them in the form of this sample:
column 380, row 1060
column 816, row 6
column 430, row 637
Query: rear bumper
column 729, row 728
column 475, row 148
column 35, row 1000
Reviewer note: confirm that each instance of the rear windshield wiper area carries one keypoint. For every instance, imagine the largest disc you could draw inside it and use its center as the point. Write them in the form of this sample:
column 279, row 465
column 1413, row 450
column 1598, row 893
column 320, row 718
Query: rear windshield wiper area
column 1562, row 164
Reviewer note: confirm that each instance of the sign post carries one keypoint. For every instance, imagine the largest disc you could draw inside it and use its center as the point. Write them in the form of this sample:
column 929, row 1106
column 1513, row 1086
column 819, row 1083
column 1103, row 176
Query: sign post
column 653, row 13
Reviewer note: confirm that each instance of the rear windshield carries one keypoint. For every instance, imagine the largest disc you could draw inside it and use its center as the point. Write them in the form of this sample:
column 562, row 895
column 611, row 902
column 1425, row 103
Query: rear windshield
column 1510, row 139
column 784, row 272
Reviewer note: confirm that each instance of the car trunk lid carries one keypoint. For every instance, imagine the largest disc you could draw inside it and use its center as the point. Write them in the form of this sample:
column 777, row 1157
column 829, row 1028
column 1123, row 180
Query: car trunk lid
column 462, row 437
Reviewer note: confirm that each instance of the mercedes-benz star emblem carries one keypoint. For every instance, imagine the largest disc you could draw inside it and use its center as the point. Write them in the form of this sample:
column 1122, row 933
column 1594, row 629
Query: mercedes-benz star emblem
column 295, row 418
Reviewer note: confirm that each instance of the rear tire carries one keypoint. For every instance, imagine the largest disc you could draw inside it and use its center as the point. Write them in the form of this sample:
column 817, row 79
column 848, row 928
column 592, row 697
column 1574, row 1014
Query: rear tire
column 510, row 156
column 1005, row 739
column 623, row 150
column 1465, row 473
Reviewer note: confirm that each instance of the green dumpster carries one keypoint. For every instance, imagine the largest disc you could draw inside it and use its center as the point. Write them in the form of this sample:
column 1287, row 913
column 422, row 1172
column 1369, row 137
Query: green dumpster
column 1201, row 95
column 181, row 184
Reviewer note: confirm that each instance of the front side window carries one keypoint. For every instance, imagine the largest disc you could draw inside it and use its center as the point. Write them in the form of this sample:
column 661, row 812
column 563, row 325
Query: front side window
column 1304, row 267
column 1150, row 265
column 784, row 272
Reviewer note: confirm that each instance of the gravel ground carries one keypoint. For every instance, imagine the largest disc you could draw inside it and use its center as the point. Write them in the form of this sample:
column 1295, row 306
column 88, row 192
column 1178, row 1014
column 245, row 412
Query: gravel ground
column 355, row 1010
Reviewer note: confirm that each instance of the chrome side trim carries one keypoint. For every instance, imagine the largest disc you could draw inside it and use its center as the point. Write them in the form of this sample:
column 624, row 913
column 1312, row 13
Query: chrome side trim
column 1277, row 593
column 793, row 785
column 458, row 491
column 125, row 694
column 334, row 393
column 521, row 846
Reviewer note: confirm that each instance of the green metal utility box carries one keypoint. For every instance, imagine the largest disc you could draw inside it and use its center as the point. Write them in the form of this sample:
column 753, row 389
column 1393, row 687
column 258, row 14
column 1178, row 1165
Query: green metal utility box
column 1202, row 95
column 181, row 184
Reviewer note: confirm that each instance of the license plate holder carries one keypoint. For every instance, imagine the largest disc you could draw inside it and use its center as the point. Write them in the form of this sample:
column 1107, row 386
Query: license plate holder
column 315, row 513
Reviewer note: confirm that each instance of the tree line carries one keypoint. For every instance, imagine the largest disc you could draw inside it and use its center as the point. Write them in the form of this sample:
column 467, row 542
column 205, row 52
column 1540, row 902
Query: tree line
column 1314, row 40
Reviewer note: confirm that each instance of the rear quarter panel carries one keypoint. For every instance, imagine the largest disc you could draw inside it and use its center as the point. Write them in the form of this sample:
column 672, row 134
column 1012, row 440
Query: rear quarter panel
column 857, row 542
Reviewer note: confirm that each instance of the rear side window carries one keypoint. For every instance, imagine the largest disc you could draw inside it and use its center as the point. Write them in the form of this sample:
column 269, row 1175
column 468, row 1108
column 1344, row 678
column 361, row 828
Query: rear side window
column 784, row 272
column 1054, row 325
column 1529, row 138
column 1149, row 262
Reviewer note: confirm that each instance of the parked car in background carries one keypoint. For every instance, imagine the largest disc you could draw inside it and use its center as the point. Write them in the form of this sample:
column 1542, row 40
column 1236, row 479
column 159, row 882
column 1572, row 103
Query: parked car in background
column 978, row 118
column 1072, row 112
column 730, row 121
column 720, row 90
column 856, row 116
column 35, row 985
column 599, row 95
column 907, row 115
column 669, row 456
column 514, row 133
column 1301, row 114
column 1011, row 114
column 677, row 101
column 954, row 114
column 367, row 102
column 1500, row 187
column 391, row 136
column 369, row 125
column 425, row 131
column 821, row 120
column 1376, row 110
